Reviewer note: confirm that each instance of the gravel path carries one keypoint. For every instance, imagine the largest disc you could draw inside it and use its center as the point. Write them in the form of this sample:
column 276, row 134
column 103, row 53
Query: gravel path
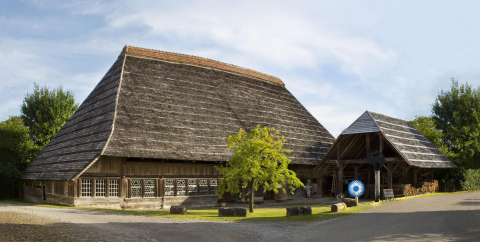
column 446, row 217
column 99, row 226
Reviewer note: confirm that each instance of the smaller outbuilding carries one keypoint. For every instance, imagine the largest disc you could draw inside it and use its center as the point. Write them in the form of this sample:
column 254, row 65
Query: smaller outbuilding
column 410, row 157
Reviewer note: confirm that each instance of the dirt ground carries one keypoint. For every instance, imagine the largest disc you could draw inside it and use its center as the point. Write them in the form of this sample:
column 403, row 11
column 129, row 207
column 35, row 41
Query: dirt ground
column 15, row 226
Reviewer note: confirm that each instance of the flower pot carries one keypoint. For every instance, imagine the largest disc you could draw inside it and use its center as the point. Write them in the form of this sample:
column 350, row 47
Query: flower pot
column 222, row 204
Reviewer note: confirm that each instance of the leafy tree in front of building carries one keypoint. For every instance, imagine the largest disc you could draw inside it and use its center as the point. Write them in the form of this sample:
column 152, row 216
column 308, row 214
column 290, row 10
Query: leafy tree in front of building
column 16, row 151
column 258, row 161
column 45, row 111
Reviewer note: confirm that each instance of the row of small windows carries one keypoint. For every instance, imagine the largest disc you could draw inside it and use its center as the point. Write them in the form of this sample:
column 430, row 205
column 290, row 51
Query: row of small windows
column 179, row 187
column 148, row 187
column 100, row 187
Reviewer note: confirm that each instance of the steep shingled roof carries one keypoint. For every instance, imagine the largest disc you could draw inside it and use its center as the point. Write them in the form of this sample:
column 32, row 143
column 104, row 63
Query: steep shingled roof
column 402, row 136
column 154, row 104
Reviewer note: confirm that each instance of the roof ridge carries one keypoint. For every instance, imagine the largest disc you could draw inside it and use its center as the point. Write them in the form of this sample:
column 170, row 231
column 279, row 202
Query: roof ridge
column 381, row 130
column 199, row 61
column 386, row 116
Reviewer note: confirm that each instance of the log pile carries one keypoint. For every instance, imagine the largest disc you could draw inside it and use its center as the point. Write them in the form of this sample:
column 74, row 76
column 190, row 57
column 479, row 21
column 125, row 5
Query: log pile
column 425, row 187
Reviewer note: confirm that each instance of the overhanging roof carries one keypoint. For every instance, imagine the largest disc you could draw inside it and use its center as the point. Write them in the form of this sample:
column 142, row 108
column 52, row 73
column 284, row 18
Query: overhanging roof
column 161, row 105
column 403, row 140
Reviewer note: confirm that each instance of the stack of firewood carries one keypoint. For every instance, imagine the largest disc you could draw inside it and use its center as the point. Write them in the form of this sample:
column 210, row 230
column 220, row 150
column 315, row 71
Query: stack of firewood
column 424, row 188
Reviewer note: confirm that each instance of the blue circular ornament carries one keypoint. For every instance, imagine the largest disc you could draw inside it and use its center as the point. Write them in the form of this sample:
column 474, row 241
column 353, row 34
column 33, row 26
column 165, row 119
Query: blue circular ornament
column 356, row 188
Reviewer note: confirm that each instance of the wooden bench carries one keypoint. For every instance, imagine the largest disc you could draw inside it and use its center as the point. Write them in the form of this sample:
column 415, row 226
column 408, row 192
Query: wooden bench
column 388, row 194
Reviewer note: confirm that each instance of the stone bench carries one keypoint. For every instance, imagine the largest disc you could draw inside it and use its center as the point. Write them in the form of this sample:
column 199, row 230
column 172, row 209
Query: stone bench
column 297, row 211
column 338, row 207
column 232, row 212
column 178, row 210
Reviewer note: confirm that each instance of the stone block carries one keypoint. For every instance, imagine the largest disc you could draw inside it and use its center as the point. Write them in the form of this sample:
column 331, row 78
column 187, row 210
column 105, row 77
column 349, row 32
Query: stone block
column 350, row 202
column 296, row 211
column 338, row 207
column 232, row 212
column 178, row 210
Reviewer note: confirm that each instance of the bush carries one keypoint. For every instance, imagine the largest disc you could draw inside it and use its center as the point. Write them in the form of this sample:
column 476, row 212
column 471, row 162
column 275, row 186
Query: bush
column 471, row 180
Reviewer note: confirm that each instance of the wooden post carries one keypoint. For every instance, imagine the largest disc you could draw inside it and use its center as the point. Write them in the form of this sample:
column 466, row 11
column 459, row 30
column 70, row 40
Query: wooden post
column 75, row 192
column 129, row 185
column 389, row 175
column 415, row 172
column 380, row 142
column 320, row 184
column 355, row 172
column 377, row 185
column 94, row 189
column 79, row 187
column 107, row 188
column 123, row 187
column 340, row 172
column 369, row 174
column 340, row 179
column 175, row 188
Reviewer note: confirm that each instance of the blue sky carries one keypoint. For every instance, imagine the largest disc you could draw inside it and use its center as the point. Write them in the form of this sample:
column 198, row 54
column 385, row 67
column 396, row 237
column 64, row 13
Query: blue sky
column 339, row 58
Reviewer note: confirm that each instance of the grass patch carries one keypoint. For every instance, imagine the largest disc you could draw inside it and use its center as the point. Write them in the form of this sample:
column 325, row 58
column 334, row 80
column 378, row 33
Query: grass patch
column 319, row 212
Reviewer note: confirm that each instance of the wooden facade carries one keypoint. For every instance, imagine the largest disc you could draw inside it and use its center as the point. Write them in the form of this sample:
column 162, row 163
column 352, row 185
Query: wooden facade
column 156, row 122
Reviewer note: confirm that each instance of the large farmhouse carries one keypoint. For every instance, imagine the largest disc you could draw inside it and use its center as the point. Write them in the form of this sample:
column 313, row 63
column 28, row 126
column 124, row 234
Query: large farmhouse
column 151, row 133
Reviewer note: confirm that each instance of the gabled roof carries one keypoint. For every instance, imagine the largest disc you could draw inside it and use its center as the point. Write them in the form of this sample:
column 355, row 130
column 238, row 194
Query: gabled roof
column 402, row 137
column 155, row 104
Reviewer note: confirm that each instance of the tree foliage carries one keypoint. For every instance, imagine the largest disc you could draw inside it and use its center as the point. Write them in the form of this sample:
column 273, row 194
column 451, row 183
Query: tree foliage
column 45, row 111
column 16, row 151
column 258, row 160
column 457, row 115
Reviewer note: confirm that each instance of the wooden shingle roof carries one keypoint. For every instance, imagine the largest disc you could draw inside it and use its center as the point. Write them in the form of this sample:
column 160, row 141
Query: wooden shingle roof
column 154, row 104
column 404, row 139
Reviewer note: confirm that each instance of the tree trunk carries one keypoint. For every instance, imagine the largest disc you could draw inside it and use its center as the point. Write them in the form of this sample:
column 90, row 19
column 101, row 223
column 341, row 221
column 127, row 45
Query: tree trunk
column 252, row 198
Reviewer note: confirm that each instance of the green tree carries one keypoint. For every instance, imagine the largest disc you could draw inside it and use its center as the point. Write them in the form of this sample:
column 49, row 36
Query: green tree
column 45, row 111
column 457, row 115
column 16, row 151
column 258, row 160
column 427, row 126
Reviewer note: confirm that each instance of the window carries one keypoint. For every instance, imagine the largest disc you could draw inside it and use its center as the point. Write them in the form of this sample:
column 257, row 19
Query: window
column 136, row 186
column 203, row 187
column 169, row 187
column 149, row 188
column 195, row 187
column 86, row 188
column 113, row 188
column 213, row 186
column 181, row 187
column 192, row 187
column 100, row 188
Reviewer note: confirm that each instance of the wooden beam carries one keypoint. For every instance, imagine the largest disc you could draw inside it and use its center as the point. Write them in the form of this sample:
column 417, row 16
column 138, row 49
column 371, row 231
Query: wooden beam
column 349, row 146
column 359, row 150
column 389, row 175
column 380, row 148
column 355, row 172
column 415, row 173
column 367, row 142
